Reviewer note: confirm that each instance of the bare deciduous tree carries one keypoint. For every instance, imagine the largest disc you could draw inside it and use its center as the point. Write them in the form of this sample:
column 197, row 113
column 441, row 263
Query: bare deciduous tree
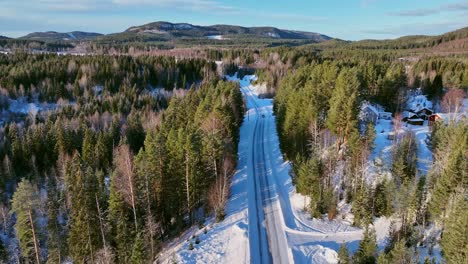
column 104, row 256
column 397, row 125
column 452, row 100
column 125, row 176
column 4, row 217
column 219, row 191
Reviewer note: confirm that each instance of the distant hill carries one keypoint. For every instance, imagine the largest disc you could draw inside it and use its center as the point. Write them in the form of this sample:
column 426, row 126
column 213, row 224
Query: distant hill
column 417, row 41
column 168, row 31
column 169, row 35
column 57, row 36
column 3, row 37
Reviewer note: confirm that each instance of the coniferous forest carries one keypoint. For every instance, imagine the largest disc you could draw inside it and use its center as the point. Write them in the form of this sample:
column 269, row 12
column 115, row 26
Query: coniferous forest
column 117, row 169
column 120, row 152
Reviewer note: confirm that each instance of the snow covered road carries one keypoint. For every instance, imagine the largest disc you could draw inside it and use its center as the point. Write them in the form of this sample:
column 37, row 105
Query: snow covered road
column 268, row 243
column 291, row 237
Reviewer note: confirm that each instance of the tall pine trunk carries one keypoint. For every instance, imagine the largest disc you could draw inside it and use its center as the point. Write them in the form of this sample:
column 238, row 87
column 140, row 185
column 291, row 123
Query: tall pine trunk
column 36, row 247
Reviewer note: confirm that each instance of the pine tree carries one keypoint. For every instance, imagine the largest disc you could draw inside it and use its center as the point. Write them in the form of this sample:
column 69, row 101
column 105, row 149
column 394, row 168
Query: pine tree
column 3, row 252
column 193, row 170
column 138, row 250
column 342, row 116
column 382, row 202
column 383, row 259
column 367, row 251
column 151, row 171
column 88, row 150
column 453, row 174
column 434, row 90
column 343, row 255
column 121, row 222
column 24, row 204
column 135, row 133
column 84, row 238
column 309, row 183
column 362, row 207
column 56, row 240
column 103, row 151
column 370, row 135
column 454, row 240
column 400, row 254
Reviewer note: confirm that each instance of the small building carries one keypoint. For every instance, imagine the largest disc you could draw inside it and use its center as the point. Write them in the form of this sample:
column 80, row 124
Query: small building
column 433, row 118
column 370, row 114
column 424, row 113
column 415, row 121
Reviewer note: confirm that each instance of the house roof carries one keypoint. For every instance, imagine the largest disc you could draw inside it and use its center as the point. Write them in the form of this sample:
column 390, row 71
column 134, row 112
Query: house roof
column 424, row 108
column 416, row 119
column 370, row 107
column 408, row 114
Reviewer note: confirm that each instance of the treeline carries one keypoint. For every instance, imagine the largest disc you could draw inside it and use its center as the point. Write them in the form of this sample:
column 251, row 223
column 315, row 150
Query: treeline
column 406, row 44
column 51, row 77
column 435, row 73
column 318, row 94
column 23, row 45
column 110, row 187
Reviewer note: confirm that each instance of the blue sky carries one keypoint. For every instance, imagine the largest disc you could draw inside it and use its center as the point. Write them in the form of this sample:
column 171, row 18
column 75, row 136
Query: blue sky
column 345, row 19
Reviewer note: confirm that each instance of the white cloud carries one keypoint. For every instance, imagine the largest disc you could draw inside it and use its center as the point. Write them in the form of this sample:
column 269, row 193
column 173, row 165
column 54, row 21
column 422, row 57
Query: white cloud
column 391, row 31
column 198, row 5
column 454, row 7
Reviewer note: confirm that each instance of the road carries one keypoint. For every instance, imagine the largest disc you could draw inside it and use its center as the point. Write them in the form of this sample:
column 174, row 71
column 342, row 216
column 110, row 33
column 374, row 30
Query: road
column 268, row 243
column 277, row 233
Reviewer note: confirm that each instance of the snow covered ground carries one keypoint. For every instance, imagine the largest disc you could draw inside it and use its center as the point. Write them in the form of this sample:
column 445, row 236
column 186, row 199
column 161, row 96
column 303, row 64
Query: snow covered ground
column 217, row 37
column 21, row 107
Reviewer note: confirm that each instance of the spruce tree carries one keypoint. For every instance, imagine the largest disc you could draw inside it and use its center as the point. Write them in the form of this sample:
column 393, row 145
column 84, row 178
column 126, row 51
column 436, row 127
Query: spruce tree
column 309, row 183
column 138, row 250
column 24, row 204
column 342, row 116
column 400, row 254
column 382, row 201
column 343, row 255
column 362, row 207
column 367, row 251
column 84, row 238
column 3, row 252
column 121, row 222
column 88, row 150
column 454, row 240
column 56, row 240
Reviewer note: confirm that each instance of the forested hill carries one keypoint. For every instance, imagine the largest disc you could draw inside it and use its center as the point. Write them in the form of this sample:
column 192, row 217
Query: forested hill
column 57, row 36
column 460, row 37
column 175, row 30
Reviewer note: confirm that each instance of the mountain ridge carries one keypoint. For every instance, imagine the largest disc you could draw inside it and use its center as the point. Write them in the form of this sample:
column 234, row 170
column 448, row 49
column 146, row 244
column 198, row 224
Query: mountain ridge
column 61, row 36
column 175, row 30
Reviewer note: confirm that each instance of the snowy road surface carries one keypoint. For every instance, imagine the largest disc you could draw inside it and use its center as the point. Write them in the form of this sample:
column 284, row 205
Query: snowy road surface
column 291, row 237
column 268, row 241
